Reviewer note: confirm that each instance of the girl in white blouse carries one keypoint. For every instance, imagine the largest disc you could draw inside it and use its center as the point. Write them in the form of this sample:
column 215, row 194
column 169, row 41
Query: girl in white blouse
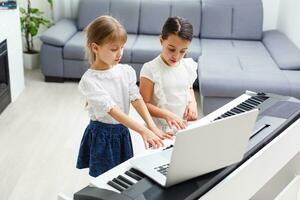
column 166, row 82
column 109, row 88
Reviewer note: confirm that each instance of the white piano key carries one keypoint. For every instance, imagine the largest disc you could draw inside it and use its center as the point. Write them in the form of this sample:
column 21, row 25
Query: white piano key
column 101, row 181
column 129, row 178
column 210, row 117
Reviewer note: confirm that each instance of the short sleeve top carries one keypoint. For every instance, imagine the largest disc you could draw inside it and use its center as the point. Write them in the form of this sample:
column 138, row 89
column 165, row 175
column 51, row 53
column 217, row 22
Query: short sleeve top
column 105, row 89
column 171, row 84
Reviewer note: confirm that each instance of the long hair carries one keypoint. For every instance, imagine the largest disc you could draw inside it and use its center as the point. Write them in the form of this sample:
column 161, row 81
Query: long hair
column 102, row 30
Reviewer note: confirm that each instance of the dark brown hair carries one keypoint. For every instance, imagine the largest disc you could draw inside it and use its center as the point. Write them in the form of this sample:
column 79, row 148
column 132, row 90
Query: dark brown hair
column 102, row 30
column 178, row 26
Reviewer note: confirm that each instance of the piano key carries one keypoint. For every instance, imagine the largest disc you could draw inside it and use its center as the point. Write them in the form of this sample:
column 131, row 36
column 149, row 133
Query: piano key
column 121, row 183
column 126, row 180
column 137, row 172
column 258, row 99
column 231, row 113
column 235, row 111
column 223, row 116
column 252, row 99
column 116, row 186
column 254, row 103
column 133, row 175
column 245, row 103
column 262, row 97
column 243, row 107
column 241, row 110
column 130, row 178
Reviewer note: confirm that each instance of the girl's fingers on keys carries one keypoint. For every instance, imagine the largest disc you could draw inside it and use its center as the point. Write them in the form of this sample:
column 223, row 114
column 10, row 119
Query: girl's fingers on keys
column 146, row 144
column 177, row 125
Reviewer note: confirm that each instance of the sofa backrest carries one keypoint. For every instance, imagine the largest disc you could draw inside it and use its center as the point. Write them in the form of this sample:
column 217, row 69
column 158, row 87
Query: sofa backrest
column 88, row 10
column 232, row 19
column 189, row 9
column 127, row 12
column 140, row 16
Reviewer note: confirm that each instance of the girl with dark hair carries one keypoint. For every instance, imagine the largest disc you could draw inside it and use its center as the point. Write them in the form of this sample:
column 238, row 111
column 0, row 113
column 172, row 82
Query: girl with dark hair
column 166, row 82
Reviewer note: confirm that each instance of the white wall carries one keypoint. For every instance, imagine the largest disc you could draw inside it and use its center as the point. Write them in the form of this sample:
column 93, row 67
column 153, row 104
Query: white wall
column 289, row 19
column 271, row 8
column 10, row 29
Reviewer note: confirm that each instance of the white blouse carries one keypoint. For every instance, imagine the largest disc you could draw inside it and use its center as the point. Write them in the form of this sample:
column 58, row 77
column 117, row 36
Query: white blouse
column 105, row 89
column 171, row 85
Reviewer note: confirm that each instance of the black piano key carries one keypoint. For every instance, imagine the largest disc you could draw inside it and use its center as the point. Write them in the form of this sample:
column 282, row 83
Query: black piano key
column 240, row 108
column 245, row 103
column 137, row 172
column 126, row 180
column 235, row 111
column 254, row 103
column 252, row 99
column 231, row 113
column 250, row 102
column 237, row 108
column 116, row 186
column 258, row 99
column 261, row 94
column 121, row 183
column 133, row 175
column 244, row 107
column 224, row 115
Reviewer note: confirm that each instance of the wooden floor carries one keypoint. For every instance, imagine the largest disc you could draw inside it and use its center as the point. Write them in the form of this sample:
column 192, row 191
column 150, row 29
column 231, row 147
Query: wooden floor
column 40, row 135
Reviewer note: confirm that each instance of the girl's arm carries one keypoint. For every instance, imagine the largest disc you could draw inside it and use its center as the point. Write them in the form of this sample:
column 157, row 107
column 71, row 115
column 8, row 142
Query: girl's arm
column 148, row 136
column 191, row 111
column 141, row 108
column 146, row 90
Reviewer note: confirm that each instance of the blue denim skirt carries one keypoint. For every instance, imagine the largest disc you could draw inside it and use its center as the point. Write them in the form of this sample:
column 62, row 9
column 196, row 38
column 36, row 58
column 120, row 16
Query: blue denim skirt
column 104, row 146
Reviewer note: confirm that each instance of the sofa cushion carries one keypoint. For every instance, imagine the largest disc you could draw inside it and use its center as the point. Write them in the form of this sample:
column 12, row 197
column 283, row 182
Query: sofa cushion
column 146, row 48
column 127, row 13
column 60, row 33
column 294, row 82
column 74, row 48
column 245, row 66
column 283, row 51
column 153, row 15
column 189, row 9
column 91, row 9
column 127, row 53
column 231, row 19
column 194, row 50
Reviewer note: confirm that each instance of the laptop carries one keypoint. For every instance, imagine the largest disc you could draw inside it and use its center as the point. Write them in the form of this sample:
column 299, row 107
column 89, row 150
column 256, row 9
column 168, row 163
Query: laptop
column 200, row 150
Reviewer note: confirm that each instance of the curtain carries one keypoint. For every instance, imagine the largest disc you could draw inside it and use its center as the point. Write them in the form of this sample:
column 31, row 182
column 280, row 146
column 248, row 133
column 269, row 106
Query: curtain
column 65, row 9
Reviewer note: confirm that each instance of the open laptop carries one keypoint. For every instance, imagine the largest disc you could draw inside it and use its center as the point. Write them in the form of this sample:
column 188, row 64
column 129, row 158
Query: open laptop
column 200, row 150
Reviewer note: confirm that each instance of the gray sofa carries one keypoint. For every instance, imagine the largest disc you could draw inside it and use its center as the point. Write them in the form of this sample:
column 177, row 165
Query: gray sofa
column 62, row 52
column 237, row 55
column 233, row 52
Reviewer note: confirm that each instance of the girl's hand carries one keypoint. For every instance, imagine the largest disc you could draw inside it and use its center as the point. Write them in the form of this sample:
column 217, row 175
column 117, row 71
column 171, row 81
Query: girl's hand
column 162, row 135
column 191, row 112
column 151, row 140
column 174, row 120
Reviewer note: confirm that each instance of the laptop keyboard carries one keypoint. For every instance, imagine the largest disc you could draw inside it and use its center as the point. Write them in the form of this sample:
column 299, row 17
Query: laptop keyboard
column 163, row 169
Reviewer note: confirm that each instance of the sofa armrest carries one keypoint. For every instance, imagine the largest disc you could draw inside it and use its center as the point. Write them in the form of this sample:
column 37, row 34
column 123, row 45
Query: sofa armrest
column 283, row 51
column 60, row 33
